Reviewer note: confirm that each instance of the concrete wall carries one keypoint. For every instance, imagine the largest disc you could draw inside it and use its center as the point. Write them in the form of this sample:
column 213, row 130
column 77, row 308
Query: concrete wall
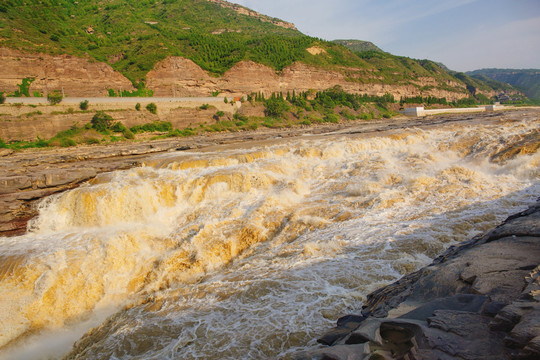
column 420, row 111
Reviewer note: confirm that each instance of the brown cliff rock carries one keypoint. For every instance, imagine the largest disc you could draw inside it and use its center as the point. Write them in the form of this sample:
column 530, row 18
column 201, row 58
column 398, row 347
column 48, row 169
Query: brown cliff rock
column 177, row 76
column 180, row 77
column 248, row 12
column 76, row 76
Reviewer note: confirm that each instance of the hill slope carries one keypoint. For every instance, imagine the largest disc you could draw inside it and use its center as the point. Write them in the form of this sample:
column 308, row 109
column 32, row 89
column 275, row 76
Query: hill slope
column 134, row 37
column 527, row 80
column 358, row 45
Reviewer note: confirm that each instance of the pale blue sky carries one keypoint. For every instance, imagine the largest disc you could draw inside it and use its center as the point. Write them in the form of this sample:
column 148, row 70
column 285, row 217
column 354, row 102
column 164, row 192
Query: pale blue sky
column 462, row 34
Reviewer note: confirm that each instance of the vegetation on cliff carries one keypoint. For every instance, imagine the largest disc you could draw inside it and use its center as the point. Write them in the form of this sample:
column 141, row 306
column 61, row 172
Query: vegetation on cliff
column 358, row 45
column 526, row 80
column 133, row 36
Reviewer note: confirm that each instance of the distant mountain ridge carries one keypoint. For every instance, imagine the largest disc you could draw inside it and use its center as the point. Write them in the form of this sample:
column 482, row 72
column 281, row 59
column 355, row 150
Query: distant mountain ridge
column 526, row 80
column 358, row 45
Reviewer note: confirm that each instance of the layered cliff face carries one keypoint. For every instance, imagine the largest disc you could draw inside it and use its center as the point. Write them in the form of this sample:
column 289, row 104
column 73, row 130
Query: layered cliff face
column 181, row 77
column 177, row 76
column 76, row 76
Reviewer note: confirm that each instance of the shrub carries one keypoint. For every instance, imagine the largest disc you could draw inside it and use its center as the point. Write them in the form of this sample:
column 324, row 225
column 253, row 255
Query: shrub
column 118, row 127
column 91, row 141
column 347, row 114
column 138, row 106
column 275, row 107
column 331, row 118
column 83, row 105
column 67, row 142
column 101, row 121
column 2, row 98
column 237, row 116
column 152, row 108
column 204, row 107
column 365, row 116
column 54, row 97
column 220, row 114
column 24, row 88
column 128, row 134
column 225, row 100
column 161, row 126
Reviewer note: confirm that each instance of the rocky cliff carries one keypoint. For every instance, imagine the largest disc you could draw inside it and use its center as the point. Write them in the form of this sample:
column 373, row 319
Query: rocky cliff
column 245, row 11
column 75, row 76
column 182, row 77
column 177, row 76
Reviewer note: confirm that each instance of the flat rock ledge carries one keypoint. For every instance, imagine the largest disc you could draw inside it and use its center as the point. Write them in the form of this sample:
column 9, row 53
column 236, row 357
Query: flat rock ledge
column 479, row 300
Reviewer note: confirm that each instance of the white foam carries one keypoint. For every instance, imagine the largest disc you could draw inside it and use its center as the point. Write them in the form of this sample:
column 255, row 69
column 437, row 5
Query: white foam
column 258, row 250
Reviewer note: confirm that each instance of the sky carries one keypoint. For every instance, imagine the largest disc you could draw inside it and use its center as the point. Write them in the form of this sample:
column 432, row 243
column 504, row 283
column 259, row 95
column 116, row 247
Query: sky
column 462, row 34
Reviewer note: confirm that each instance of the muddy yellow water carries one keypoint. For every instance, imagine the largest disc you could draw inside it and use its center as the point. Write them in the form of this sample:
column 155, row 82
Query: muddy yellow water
column 249, row 253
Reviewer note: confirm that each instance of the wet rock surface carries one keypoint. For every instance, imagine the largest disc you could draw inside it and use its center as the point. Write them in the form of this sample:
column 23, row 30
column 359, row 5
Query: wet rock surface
column 479, row 300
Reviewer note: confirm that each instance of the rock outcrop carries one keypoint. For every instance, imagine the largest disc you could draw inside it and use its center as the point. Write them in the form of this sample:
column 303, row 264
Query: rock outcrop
column 177, row 76
column 479, row 300
column 248, row 12
column 181, row 77
column 76, row 76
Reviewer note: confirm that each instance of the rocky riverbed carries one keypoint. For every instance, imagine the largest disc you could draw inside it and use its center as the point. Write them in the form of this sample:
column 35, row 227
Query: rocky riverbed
column 479, row 300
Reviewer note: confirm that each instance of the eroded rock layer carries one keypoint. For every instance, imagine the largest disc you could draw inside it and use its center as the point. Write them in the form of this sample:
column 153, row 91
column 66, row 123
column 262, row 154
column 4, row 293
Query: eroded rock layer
column 75, row 76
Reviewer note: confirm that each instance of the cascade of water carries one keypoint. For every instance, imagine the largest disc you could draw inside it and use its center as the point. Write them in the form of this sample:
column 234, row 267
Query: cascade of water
column 231, row 253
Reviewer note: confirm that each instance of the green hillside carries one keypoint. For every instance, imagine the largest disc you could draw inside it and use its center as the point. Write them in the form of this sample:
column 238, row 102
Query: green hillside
column 133, row 35
column 526, row 80
column 358, row 45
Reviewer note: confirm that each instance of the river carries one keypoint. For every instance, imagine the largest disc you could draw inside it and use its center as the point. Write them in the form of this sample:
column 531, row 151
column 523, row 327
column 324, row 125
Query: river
column 252, row 251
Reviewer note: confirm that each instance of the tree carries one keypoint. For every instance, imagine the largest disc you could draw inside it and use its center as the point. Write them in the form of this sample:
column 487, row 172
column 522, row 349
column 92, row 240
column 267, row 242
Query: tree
column 2, row 98
column 275, row 107
column 83, row 105
column 152, row 108
column 54, row 97
column 101, row 121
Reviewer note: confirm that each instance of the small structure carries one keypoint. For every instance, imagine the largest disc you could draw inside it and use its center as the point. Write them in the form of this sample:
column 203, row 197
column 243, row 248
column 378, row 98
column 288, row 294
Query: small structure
column 496, row 106
column 415, row 111
column 420, row 111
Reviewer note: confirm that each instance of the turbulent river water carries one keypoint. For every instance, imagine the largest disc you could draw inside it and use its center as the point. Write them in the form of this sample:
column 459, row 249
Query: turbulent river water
column 249, row 252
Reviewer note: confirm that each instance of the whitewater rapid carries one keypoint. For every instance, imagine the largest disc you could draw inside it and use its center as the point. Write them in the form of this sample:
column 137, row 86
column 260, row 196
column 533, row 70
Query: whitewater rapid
column 250, row 252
